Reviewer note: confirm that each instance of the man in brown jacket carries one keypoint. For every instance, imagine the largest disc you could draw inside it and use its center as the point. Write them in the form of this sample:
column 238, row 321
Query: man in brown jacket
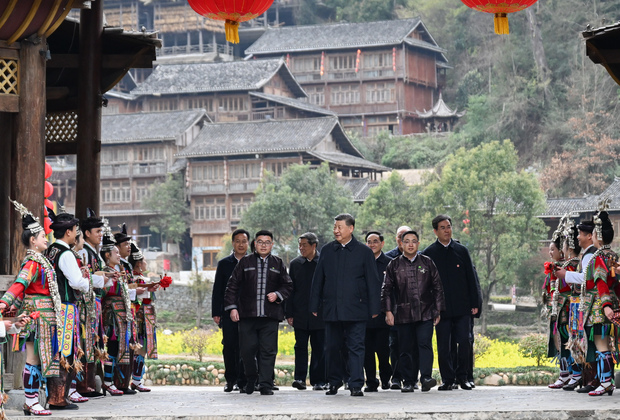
column 412, row 299
column 258, row 285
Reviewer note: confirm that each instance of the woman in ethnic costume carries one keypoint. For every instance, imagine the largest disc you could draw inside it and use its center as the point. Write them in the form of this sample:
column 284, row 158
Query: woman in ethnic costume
column 145, row 318
column 7, row 327
column 36, row 290
column 117, row 315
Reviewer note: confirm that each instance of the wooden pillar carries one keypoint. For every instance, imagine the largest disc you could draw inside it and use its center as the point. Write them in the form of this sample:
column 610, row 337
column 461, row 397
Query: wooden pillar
column 6, row 123
column 89, row 110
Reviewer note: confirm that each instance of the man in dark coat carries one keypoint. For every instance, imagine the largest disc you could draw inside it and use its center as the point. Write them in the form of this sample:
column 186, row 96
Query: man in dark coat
column 307, row 327
column 377, row 331
column 412, row 299
column 345, row 285
column 230, row 333
column 257, row 287
column 461, row 295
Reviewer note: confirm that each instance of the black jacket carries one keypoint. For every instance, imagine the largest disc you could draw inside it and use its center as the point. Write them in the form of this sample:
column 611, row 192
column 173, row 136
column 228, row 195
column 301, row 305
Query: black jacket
column 382, row 263
column 345, row 283
column 224, row 269
column 457, row 277
column 241, row 292
column 394, row 253
column 412, row 290
column 298, row 305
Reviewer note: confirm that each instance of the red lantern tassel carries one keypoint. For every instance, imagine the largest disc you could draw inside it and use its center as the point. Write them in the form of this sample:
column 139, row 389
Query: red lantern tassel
column 232, row 31
column 501, row 24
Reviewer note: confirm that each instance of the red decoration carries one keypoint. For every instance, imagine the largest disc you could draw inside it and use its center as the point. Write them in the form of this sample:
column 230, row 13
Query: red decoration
column 49, row 189
column 500, row 8
column 232, row 12
column 48, row 170
column 34, row 315
column 165, row 282
column 549, row 267
column 46, row 225
column 48, row 203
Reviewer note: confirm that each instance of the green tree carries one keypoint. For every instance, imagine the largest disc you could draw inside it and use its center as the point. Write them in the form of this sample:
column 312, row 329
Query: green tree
column 494, row 206
column 389, row 205
column 303, row 199
column 200, row 288
column 167, row 200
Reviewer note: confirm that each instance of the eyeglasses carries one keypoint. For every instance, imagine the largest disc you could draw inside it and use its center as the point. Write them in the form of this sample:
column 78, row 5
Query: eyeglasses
column 375, row 242
column 265, row 243
column 407, row 242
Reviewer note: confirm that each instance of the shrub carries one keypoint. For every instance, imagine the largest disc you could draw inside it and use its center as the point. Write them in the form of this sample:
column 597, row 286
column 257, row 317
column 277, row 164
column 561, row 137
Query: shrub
column 534, row 346
column 196, row 341
column 481, row 345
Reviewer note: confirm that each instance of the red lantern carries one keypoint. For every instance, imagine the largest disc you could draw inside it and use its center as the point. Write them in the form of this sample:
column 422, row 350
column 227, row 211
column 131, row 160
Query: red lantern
column 49, row 190
column 231, row 12
column 48, row 204
column 500, row 8
column 48, row 170
column 46, row 225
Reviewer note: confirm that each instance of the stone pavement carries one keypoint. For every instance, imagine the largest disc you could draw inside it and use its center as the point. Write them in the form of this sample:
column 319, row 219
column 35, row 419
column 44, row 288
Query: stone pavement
column 484, row 403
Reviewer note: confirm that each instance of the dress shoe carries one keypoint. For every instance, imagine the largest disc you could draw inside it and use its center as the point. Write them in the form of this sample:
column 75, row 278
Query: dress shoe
column 237, row 388
column 275, row 388
column 128, row 391
column 250, row 388
column 445, row 387
column 319, row 387
column 472, row 384
column 465, row 385
column 407, row 388
column 572, row 385
column 346, row 386
column 140, row 388
column 229, row 387
column 385, row 385
column 299, row 384
column 92, row 394
column 333, row 390
column 111, row 389
column 266, row 391
column 371, row 389
column 64, row 407
column 395, row 385
column 357, row 392
column 428, row 383
column 586, row 389
column 415, row 386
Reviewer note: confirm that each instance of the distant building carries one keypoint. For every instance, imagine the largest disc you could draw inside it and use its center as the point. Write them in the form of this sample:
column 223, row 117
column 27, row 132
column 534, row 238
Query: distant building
column 227, row 161
column 440, row 118
column 375, row 75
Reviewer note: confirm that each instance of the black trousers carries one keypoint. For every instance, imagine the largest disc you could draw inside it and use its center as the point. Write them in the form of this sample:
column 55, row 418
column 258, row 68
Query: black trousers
column 449, row 331
column 258, row 340
column 470, row 365
column 394, row 355
column 352, row 334
column 377, row 342
column 232, row 357
column 416, row 350
column 317, row 357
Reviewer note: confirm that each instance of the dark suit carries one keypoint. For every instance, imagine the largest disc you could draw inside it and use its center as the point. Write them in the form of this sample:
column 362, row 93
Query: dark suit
column 394, row 344
column 378, row 340
column 230, row 331
column 461, row 295
column 307, row 327
column 346, row 286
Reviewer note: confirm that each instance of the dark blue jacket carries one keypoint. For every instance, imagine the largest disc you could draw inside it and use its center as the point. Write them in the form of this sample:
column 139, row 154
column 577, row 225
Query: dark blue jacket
column 345, row 283
column 382, row 263
column 297, row 306
column 224, row 269
column 457, row 277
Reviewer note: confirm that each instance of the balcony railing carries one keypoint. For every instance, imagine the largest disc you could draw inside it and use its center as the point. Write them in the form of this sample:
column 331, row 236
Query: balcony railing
column 109, row 171
column 195, row 49
column 247, row 186
column 149, row 169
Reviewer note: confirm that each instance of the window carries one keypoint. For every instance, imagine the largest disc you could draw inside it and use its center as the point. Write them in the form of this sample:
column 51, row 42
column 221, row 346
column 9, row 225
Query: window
column 342, row 62
column 377, row 60
column 238, row 206
column 206, row 103
column 345, row 94
column 116, row 192
column 244, row 170
column 209, row 259
column 109, row 155
column 149, row 153
column 380, row 92
column 316, row 95
column 208, row 173
column 163, row 105
column 307, row 64
column 209, row 208
column 277, row 168
column 142, row 190
column 233, row 103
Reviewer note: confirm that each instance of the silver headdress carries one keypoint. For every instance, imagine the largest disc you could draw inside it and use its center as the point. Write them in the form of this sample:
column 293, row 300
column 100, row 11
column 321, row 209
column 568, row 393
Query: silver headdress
column 569, row 232
column 108, row 242
column 29, row 222
column 603, row 205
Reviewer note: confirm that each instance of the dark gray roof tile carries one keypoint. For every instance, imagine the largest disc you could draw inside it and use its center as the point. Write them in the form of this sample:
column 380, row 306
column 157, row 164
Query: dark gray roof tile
column 295, row 103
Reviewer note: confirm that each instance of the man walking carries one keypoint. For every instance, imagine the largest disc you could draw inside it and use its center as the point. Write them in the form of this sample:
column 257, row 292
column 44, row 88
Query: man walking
column 258, row 285
column 377, row 331
column 413, row 299
column 345, row 283
column 307, row 327
column 461, row 296
column 230, row 333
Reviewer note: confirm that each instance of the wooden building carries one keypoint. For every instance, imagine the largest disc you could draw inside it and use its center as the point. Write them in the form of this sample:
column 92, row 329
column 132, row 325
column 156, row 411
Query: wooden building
column 227, row 161
column 375, row 75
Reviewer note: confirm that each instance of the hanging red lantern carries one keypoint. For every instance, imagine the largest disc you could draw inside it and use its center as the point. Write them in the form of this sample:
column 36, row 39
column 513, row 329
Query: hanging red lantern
column 48, row 170
column 500, row 8
column 49, row 189
column 47, row 223
column 231, row 12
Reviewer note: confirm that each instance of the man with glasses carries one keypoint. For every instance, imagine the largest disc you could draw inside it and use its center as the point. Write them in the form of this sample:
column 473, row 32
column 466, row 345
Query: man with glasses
column 412, row 298
column 258, row 285
column 230, row 333
column 346, row 288
column 462, row 301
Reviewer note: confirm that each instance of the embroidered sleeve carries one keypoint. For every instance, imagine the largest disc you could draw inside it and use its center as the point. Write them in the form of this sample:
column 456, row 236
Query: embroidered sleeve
column 600, row 272
column 28, row 274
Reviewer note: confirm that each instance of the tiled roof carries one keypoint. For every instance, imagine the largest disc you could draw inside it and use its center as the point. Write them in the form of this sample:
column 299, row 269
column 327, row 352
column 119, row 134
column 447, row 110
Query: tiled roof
column 295, row 103
column 148, row 126
column 216, row 77
column 339, row 35
column 343, row 159
column 560, row 206
column 267, row 136
column 440, row 110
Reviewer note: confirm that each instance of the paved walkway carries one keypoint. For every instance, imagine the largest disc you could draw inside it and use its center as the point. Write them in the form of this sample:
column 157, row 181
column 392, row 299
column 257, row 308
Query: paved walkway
column 175, row 402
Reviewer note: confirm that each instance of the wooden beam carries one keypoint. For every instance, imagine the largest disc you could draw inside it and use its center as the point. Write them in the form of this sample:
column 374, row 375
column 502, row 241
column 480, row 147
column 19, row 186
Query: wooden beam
column 108, row 61
column 9, row 103
column 61, row 148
